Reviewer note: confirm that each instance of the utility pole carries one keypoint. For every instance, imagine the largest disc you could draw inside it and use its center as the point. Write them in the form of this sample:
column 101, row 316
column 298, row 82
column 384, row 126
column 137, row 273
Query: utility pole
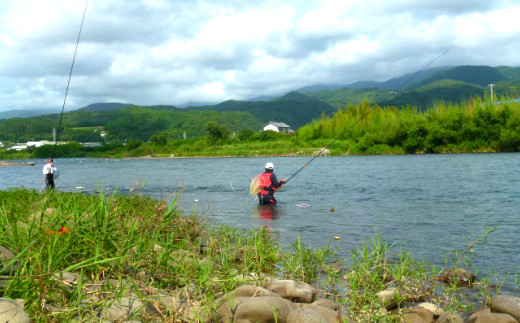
column 491, row 89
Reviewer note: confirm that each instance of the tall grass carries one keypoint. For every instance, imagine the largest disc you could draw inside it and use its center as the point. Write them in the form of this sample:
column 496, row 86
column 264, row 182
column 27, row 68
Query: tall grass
column 126, row 238
column 149, row 245
column 471, row 126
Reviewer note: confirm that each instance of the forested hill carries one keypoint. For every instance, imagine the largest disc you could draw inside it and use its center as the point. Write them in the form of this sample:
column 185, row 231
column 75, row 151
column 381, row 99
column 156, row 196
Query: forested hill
column 449, row 85
column 129, row 123
column 477, row 75
column 294, row 109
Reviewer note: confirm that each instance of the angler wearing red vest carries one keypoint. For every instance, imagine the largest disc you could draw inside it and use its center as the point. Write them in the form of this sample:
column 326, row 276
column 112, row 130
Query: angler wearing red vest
column 268, row 185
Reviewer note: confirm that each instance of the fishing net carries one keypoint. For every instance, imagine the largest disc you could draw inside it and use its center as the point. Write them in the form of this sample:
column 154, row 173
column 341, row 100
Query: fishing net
column 254, row 187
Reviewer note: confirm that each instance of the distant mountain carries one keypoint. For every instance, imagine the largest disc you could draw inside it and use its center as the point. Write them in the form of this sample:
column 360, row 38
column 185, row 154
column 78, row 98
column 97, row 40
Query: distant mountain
column 294, row 109
column 426, row 96
column 343, row 97
column 26, row 113
column 297, row 108
column 109, row 106
column 391, row 84
column 478, row 75
column 452, row 84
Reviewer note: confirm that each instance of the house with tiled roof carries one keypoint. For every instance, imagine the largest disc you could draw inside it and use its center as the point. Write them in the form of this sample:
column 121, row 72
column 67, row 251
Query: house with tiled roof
column 277, row 126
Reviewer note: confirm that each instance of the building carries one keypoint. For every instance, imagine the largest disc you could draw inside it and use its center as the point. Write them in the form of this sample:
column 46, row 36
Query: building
column 18, row 147
column 37, row 143
column 277, row 126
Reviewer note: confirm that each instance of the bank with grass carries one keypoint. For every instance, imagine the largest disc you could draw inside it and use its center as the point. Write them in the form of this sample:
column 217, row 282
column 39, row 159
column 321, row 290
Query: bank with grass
column 471, row 126
column 76, row 257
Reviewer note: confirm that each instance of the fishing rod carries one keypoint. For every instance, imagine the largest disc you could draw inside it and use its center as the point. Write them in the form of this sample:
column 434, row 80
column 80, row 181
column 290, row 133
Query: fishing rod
column 367, row 113
column 68, row 83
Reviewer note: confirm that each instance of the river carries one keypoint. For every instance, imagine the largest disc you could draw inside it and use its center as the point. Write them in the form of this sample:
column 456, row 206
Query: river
column 429, row 205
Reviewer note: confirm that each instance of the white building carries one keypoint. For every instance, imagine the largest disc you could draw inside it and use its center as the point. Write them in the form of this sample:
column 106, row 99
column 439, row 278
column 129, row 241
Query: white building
column 277, row 126
column 18, row 147
column 36, row 143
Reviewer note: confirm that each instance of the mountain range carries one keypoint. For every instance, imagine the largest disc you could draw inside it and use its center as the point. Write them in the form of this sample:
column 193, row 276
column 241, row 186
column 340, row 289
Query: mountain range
column 420, row 89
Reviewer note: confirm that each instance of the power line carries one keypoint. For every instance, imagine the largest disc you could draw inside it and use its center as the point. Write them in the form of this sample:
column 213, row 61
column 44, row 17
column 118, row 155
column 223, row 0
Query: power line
column 370, row 110
column 68, row 83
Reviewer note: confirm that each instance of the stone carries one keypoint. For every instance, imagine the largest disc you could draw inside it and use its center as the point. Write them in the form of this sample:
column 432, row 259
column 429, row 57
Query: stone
column 448, row 317
column 67, row 280
column 459, row 275
column 7, row 265
column 387, row 298
column 485, row 316
column 329, row 315
column 436, row 310
column 300, row 315
column 255, row 309
column 418, row 315
column 247, row 291
column 506, row 304
column 11, row 312
column 326, row 303
column 296, row 291
column 122, row 309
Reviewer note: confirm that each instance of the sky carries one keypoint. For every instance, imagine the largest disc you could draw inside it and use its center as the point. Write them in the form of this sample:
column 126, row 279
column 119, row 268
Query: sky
column 177, row 52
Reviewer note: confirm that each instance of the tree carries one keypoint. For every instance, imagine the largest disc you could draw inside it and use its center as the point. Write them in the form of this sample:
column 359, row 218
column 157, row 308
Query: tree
column 245, row 134
column 160, row 138
column 133, row 144
column 216, row 132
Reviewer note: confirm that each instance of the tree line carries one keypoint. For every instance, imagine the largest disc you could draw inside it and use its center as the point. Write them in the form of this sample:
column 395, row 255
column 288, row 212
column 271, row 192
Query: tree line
column 472, row 126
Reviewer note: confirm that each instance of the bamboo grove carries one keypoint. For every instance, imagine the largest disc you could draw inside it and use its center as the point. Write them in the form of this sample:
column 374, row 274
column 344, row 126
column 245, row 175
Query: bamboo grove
column 473, row 126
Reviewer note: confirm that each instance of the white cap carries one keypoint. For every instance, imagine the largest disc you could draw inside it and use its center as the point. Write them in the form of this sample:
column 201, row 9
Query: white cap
column 269, row 166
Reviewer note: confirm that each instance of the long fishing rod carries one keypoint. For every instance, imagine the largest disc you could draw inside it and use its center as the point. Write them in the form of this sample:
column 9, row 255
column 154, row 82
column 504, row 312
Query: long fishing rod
column 68, row 83
column 366, row 114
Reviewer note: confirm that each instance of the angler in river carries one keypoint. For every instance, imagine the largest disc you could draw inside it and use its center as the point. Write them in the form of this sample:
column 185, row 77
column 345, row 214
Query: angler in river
column 48, row 171
column 265, row 184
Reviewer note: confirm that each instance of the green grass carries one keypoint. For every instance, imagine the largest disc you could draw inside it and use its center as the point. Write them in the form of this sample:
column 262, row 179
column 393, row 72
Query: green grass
column 150, row 245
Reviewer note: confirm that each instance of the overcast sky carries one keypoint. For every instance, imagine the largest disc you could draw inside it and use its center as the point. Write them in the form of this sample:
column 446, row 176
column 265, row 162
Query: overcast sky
column 171, row 52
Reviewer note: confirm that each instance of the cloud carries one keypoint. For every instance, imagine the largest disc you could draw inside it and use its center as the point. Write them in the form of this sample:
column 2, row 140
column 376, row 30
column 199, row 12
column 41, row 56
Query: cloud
column 170, row 52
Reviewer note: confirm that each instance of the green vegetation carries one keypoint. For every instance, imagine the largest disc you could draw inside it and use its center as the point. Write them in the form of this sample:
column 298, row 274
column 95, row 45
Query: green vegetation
column 338, row 98
column 472, row 126
column 116, row 237
column 129, row 123
column 451, row 85
column 294, row 109
column 449, row 110
column 114, row 246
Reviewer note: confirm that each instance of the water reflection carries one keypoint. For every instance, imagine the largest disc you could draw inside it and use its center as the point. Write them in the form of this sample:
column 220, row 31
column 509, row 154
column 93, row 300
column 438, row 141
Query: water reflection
column 266, row 212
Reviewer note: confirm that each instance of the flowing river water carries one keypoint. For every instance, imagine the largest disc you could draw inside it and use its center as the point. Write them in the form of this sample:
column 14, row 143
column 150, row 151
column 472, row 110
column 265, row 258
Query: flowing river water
column 429, row 205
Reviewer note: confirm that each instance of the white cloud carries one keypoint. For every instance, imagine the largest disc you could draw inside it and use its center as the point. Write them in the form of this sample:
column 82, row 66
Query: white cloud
column 171, row 52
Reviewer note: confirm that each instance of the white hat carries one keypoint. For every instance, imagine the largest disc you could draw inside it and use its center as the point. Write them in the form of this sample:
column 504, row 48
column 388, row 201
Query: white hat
column 269, row 166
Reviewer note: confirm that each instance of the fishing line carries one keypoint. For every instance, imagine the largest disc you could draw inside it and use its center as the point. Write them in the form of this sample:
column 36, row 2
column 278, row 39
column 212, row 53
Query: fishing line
column 366, row 114
column 68, row 83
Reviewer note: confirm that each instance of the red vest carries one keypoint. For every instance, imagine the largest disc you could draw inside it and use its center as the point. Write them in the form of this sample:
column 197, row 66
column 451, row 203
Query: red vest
column 264, row 182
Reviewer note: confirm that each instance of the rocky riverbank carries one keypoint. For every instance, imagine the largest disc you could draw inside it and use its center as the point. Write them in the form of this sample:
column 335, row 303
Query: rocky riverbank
column 4, row 163
column 259, row 299
column 72, row 257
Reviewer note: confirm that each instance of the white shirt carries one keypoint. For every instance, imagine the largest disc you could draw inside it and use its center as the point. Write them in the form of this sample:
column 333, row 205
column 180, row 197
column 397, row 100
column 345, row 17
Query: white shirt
column 47, row 169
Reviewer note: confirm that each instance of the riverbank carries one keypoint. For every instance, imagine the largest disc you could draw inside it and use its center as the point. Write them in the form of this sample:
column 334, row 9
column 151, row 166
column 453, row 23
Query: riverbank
column 4, row 163
column 78, row 257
